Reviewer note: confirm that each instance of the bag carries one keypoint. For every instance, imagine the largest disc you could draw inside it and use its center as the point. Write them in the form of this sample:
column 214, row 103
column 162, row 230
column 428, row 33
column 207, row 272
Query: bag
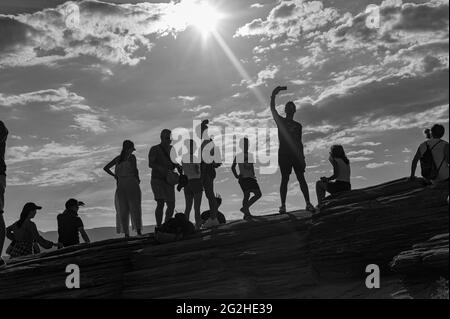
column 429, row 169
column 172, row 178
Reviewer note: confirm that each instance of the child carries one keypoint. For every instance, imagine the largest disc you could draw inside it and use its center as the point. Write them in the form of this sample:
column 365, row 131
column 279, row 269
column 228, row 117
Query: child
column 341, row 175
column 247, row 178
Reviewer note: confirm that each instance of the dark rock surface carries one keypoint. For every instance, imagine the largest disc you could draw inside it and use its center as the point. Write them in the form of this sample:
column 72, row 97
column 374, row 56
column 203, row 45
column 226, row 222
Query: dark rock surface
column 397, row 225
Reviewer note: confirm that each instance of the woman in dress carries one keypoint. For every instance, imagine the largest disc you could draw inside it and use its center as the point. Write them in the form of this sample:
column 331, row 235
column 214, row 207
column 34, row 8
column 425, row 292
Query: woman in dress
column 128, row 194
column 24, row 235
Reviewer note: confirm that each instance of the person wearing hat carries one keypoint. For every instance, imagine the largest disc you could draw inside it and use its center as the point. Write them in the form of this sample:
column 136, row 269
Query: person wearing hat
column 24, row 234
column 70, row 225
column 128, row 196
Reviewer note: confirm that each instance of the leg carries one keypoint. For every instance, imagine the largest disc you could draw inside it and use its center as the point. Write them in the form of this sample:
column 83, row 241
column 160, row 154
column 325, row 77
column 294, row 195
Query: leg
column 197, row 207
column 256, row 196
column 304, row 187
column 169, row 210
column 321, row 190
column 159, row 212
column 283, row 189
column 2, row 234
column 2, row 206
column 189, row 198
column 124, row 208
column 135, row 198
column 209, row 192
column 245, row 205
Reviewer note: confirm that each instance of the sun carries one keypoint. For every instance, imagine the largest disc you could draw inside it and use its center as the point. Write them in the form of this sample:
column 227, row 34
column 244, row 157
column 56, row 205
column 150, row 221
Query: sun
column 204, row 17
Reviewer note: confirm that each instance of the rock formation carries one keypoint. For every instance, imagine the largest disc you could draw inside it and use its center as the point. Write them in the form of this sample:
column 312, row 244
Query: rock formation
column 401, row 226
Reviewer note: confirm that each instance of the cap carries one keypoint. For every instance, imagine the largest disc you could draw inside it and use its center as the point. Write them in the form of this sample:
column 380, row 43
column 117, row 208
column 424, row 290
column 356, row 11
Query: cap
column 73, row 202
column 31, row 206
column 128, row 145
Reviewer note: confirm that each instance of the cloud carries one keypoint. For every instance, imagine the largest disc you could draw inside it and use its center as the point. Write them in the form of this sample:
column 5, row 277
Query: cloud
column 199, row 108
column 378, row 165
column 62, row 97
column 90, row 122
column 257, row 6
column 264, row 75
column 360, row 152
column 115, row 33
column 291, row 19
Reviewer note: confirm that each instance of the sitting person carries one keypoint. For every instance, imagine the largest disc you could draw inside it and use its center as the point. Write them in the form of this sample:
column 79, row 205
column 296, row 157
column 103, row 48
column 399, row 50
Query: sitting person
column 341, row 175
column 433, row 157
column 220, row 216
column 176, row 228
column 24, row 234
column 70, row 225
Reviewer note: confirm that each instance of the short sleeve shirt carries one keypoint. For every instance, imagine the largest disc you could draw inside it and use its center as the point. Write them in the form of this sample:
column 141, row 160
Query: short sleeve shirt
column 69, row 224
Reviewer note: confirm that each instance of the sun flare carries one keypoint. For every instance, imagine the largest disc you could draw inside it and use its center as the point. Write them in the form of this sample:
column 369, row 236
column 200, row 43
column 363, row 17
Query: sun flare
column 201, row 15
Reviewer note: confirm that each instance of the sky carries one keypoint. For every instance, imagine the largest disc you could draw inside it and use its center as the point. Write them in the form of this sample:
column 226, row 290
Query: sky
column 71, row 93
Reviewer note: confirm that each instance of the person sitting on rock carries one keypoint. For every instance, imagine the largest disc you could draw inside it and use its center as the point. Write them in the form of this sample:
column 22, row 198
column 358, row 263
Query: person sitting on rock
column 24, row 234
column 220, row 216
column 433, row 157
column 341, row 175
column 70, row 225
column 176, row 228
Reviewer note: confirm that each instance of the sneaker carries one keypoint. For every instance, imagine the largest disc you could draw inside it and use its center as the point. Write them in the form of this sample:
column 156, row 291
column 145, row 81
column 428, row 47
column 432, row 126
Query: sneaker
column 282, row 209
column 310, row 208
column 211, row 223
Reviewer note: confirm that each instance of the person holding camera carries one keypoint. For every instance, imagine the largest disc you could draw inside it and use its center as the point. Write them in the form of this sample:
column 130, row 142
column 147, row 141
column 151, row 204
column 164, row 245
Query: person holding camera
column 290, row 153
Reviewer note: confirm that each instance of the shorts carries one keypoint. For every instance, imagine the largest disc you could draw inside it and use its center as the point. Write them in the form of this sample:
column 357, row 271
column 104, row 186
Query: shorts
column 287, row 162
column 194, row 186
column 2, row 192
column 162, row 190
column 338, row 187
column 249, row 184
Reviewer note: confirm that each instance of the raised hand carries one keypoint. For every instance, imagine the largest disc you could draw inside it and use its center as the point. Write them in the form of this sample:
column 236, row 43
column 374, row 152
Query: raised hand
column 278, row 89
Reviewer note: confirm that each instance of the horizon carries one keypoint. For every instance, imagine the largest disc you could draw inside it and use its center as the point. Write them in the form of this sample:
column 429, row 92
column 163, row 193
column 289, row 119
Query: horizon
column 70, row 94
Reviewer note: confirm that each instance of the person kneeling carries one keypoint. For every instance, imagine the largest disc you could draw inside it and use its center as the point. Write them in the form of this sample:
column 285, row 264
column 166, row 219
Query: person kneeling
column 174, row 229
column 341, row 175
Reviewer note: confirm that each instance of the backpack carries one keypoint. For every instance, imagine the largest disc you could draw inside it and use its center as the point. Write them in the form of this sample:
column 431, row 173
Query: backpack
column 429, row 169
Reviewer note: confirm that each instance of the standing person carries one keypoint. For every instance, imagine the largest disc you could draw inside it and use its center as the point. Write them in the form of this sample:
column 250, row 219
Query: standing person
column 128, row 194
column 193, row 191
column 3, row 137
column 433, row 157
column 208, row 173
column 341, row 175
column 24, row 234
column 247, row 178
column 70, row 225
column 162, row 181
column 290, row 153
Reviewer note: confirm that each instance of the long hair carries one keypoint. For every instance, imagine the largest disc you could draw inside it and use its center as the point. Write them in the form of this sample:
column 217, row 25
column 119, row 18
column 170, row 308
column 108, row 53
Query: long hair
column 26, row 210
column 337, row 151
column 127, row 144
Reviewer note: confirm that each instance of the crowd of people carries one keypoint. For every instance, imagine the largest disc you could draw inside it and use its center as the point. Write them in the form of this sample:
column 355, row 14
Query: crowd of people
column 196, row 176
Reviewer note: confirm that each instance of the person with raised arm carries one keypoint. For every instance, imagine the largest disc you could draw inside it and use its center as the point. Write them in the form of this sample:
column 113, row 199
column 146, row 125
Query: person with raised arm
column 128, row 195
column 290, row 153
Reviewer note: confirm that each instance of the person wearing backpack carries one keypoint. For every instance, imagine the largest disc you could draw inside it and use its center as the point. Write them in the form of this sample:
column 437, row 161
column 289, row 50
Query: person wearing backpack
column 433, row 157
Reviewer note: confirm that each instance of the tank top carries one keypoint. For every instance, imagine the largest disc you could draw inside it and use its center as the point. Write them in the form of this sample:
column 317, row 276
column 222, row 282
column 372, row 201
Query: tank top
column 344, row 170
column 125, row 169
column 438, row 156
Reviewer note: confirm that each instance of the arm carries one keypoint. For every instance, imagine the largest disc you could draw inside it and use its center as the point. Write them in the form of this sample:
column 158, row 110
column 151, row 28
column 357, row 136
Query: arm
column 335, row 171
column 110, row 165
column 446, row 154
column 272, row 102
column 10, row 233
column 41, row 240
column 84, row 235
column 233, row 168
column 414, row 164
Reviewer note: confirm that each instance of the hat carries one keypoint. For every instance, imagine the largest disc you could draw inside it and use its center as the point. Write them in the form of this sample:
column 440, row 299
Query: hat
column 31, row 206
column 73, row 202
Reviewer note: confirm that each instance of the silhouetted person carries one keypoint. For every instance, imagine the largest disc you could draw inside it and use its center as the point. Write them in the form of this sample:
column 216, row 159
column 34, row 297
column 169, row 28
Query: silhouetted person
column 290, row 153
column 70, row 225
column 178, row 227
column 162, row 166
column 3, row 137
column 206, row 215
column 247, row 178
column 208, row 174
column 24, row 234
column 128, row 196
column 427, row 133
column 341, row 175
column 193, row 191
column 434, row 158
